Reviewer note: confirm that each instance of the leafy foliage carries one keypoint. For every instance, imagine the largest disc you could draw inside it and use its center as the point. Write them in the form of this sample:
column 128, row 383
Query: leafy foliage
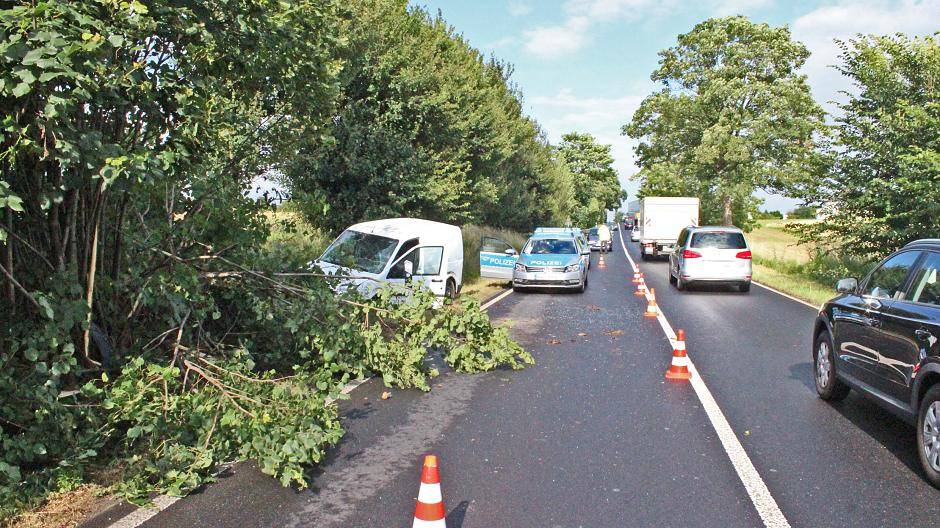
column 733, row 115
column 884, row 190
column 597, row 187
column 148, row 322
column 428, row 128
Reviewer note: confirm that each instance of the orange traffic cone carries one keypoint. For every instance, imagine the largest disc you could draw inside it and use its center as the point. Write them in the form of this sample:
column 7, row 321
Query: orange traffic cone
column 429, row 509
column 651, row 309
column 679, row 370
column 601, row 264
column 637, row 276
column 640, row 288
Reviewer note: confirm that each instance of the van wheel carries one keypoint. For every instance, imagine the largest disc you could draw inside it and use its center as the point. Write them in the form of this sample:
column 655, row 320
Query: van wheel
column 744, row 287
column 928, row 435
column 450, row 291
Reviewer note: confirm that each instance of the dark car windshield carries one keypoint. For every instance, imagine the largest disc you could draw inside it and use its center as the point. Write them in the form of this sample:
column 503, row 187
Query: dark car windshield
column 718, row 240
column 360, row 251
column 551, row 246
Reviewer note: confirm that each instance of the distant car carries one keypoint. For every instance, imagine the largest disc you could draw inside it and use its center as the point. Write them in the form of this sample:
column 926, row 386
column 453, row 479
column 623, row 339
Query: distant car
column 551, row 260
column 636, row 233
column 717, row 255
column 880, row 337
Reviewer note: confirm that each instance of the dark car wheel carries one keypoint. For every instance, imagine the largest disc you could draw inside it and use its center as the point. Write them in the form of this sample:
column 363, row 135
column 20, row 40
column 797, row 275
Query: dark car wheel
column 672, row 280
column 450, row 291
column 828, row 386
column 928, row 435
column 681, row 285
column 744, row 287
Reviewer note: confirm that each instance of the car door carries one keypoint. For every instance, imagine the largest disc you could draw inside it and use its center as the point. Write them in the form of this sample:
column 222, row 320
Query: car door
column 911, row 327
column 497, row 258
column 677, row 252
column 858, row 319
column 426, row 263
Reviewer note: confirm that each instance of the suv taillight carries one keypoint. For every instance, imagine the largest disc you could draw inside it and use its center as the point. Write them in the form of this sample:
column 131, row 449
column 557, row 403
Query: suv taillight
column 688, row 253
column 744, row 255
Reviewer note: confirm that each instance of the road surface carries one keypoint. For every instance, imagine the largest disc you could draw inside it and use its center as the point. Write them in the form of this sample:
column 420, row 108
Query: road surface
column 594, row 436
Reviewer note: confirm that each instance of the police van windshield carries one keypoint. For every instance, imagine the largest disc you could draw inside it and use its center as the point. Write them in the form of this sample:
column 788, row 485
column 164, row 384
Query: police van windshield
column 360, row 251
column 550, row 246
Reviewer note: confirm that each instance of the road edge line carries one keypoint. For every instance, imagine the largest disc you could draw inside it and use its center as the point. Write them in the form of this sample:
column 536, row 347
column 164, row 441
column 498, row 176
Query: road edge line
column 142, row 514
column 754, row 485
column 485, row 306
column 787, row 295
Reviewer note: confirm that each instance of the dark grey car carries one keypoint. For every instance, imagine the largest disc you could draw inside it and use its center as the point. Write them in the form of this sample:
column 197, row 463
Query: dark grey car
column 880, row 338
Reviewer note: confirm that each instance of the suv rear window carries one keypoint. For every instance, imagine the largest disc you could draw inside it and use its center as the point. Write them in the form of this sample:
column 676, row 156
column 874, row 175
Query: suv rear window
column 718, row 240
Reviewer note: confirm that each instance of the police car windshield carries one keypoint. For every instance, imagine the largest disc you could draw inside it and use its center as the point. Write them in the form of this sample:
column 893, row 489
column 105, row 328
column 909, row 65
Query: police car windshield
column 550, row 246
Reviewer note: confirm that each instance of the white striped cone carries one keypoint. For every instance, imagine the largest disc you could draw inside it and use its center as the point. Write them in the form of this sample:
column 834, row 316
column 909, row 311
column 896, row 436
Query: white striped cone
column 640, row 288
column 429, row 509
column 679, row 370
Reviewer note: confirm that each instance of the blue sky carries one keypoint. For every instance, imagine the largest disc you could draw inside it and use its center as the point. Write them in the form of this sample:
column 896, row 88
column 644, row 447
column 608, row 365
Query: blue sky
column 585, row 64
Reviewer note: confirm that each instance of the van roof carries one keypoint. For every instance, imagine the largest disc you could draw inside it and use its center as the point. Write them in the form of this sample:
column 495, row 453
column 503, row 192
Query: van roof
column 399, row 228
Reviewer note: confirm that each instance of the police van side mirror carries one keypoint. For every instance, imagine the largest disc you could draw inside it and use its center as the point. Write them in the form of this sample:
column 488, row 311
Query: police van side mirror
column 511, row 252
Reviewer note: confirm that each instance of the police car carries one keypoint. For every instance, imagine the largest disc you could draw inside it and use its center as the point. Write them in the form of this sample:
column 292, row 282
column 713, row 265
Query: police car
column 574, row 231
column 552, row 260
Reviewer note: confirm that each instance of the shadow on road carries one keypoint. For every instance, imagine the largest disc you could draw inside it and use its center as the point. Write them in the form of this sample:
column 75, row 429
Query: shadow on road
column 803, row 372
column 455, row 517
column 886, row 429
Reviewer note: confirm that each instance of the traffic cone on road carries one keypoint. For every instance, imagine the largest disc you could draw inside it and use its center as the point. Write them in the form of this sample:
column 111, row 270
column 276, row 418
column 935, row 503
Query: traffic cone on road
column 637, row 277
column 601, row 264
column 679, row 370
column 651, row 309
column 640, row 288
column 429, row 509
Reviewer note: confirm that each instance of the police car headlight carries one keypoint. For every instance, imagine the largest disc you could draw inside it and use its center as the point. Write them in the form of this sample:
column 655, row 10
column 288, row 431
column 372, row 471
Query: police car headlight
column 520, row 267
column 573, row 267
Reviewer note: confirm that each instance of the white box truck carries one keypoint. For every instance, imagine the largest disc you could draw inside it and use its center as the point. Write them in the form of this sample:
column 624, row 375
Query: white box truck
column 661, row 220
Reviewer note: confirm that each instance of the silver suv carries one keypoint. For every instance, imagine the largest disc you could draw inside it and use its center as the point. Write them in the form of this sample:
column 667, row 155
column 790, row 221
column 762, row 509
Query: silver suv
column 711, row 254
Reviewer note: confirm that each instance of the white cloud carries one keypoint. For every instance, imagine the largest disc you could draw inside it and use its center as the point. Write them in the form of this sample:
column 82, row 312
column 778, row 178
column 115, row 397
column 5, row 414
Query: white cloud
column 519, row 8
column 553, row 41
column 844, row 20
column 601, row 116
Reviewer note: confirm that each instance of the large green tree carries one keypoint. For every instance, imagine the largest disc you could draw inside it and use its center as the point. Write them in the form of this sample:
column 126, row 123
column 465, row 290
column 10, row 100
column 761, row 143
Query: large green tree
column 884, row 190
column 734, row 114
column 596, row 185
column 426, row 127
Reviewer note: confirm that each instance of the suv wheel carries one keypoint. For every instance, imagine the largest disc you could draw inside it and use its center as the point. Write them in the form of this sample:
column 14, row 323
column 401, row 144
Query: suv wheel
column 828, row 386
column 928, row 435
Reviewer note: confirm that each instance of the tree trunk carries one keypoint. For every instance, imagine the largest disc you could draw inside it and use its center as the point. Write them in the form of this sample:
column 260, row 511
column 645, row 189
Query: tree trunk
column 727, row 218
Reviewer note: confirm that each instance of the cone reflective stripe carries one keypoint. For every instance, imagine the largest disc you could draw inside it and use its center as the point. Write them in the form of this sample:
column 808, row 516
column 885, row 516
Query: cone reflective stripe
column 651, row 309
column 602, row 264
column 640, row 288
column 429, row 508
column 679, row 370
column 637, row 277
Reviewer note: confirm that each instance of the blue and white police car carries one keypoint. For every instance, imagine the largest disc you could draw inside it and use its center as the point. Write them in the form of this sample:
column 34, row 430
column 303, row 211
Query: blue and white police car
column 552, row 260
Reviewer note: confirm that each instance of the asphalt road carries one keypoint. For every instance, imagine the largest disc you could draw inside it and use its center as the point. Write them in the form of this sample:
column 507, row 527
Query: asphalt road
column 594, row 436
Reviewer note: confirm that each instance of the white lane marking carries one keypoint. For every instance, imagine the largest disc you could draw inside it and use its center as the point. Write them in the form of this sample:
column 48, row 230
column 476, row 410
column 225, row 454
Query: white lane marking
column 757, row 490
column 162, row 502
column 143, row 514
column 787, row 295
column 498, row 298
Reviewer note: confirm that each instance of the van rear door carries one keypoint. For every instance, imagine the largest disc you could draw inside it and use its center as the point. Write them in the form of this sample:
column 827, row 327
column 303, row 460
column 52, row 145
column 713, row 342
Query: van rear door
column 497, row 258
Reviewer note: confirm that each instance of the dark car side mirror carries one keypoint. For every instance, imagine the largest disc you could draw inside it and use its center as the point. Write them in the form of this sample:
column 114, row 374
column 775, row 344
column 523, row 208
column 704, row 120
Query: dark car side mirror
column 848, row 285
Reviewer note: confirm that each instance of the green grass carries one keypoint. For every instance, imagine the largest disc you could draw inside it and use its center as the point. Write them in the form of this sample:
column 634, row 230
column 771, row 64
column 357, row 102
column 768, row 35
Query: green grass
column 291, row 233
column 803, row 271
